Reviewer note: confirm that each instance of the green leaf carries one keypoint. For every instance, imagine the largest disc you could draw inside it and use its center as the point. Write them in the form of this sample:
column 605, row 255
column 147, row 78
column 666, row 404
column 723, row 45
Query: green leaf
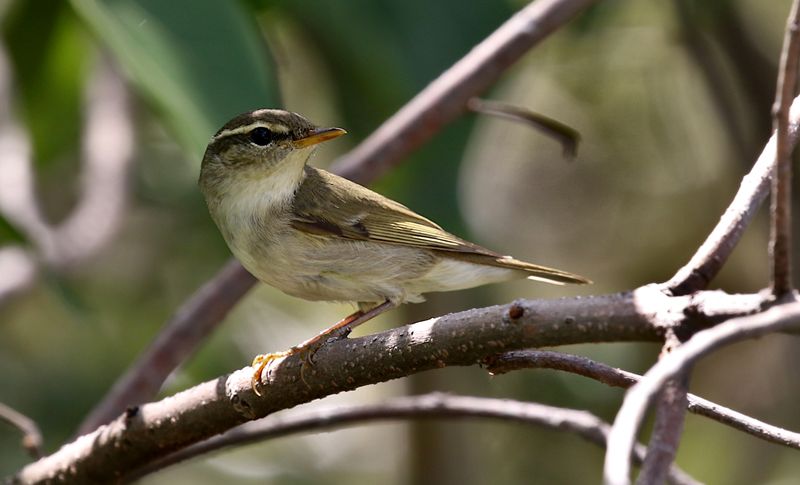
column 200, row 62
column 48, row 47
column 9, row 233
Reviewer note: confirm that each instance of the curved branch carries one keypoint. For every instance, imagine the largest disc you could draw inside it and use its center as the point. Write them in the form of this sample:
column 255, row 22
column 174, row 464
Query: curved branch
column 576, row 364
column 623, row 434
column 565, row 135
column 17, row 201
column 667, row 431
column 107, row 155
column 670, row 415
column 31, row 436
column 440, row 103
column 434, row 405
column 144, row 434
column 718, row 246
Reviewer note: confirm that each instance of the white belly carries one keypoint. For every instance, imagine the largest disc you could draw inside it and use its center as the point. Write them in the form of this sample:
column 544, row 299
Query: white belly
column 317, row 268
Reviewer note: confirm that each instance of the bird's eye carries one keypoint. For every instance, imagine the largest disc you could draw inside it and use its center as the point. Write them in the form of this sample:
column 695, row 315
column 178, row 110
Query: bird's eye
column 261, row 136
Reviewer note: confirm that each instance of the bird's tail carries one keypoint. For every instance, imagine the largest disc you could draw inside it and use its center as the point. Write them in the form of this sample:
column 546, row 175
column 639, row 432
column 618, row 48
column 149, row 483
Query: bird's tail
column 541, row 273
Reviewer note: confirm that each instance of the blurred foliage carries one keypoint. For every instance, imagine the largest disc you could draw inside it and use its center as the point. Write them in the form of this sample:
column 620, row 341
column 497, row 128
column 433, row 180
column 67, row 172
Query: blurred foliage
column 49, row 48
column 9, row 232
column 672, row 103
column 200, row 63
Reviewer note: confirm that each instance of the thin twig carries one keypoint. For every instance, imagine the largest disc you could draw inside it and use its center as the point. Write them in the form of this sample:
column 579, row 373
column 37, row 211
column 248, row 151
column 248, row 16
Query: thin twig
column 623, row 434
column 718, row 246
column 31, row 436
column 440, row 103
column 781, row 208
column 567, row 136
column 146, row 433
column 576, row 364
column 445, row 99
column 434, row 405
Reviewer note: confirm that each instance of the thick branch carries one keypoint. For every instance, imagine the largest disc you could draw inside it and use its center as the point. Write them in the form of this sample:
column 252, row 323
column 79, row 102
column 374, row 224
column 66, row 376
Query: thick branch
column 718, row 246
column 781, row 207
column 576, row 364
column 435, row 405
column 440, row 103
column 623, row 434
column 145, row 433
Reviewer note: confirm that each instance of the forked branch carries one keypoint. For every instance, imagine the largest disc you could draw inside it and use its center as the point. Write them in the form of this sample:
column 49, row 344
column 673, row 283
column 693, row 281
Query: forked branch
column 780, row 318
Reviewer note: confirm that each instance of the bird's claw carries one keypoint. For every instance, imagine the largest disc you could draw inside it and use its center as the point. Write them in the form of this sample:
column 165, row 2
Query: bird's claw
column 260, row 362
column 308, row 361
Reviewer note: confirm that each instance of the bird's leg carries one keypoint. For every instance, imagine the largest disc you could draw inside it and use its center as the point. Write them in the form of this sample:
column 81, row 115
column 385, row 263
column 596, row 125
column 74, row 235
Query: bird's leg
column 311, row 345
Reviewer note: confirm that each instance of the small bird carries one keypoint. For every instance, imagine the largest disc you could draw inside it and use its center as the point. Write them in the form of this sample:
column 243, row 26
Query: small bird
column 318, row 236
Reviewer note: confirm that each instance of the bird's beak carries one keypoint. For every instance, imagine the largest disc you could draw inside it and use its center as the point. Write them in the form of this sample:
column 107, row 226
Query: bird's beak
column 318, row 135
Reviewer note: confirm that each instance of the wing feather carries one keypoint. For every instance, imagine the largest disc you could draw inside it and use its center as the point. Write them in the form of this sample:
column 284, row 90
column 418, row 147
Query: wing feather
column 338, row 207
column 335, row 207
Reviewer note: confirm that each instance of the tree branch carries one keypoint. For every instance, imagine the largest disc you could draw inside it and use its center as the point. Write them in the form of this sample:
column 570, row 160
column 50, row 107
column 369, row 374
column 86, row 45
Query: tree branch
column 143, row 434
column 440, row 103
column 445, row 99
column 668, row 426
column 31, row 436
column 718, row 246
column 565, row 135
column 576, row 364
column 781, row 206
column 434, row 405
column 623, row 434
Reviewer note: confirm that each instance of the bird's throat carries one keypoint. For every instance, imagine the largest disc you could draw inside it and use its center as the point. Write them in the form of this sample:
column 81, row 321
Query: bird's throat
column 249, row 200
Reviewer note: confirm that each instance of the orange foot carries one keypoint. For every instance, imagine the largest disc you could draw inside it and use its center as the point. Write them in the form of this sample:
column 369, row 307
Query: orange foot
column 261, row 362
column 313, row 344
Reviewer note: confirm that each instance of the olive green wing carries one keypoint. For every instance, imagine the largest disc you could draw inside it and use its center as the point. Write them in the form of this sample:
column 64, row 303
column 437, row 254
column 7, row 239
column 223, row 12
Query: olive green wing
column 328, row 205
